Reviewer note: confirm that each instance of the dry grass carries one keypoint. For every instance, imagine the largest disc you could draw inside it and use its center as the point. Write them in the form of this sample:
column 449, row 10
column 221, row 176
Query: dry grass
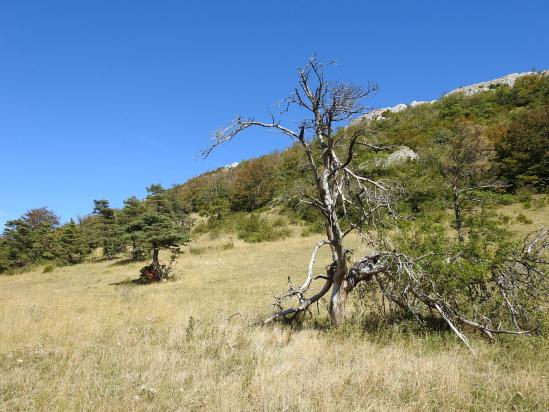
column 71, row 340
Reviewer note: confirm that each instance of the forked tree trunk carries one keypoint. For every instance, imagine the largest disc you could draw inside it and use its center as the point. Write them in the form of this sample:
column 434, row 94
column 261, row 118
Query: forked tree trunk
column 340, row 288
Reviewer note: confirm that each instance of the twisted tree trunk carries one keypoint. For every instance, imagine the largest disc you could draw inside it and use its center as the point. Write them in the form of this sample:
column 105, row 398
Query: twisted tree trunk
column 155, row 259
column 335, row 184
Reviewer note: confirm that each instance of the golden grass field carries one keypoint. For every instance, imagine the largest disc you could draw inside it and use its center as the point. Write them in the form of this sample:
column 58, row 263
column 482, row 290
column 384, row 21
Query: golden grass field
column 72, row 340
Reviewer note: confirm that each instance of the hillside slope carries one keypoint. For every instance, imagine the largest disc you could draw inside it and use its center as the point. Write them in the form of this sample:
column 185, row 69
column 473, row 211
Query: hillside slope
column 501, row 107
column 81, row 338
column 84, row 337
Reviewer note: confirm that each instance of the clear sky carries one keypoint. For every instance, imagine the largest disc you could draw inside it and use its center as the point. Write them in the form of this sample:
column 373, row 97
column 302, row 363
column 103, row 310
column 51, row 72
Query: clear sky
column 100, row 98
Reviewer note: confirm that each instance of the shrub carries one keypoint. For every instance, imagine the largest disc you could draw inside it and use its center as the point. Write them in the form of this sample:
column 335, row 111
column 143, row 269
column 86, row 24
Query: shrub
column 506, row 199
column 48, row 269
column 197, row 250
column 505, row 219
column 523, row 219
column 524, row 195
column 255, row 229
column 227, row 246
column 539, row 202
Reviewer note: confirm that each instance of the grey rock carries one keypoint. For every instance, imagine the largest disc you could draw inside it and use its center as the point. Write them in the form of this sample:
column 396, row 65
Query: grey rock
column 508, row 80
column 403, row 154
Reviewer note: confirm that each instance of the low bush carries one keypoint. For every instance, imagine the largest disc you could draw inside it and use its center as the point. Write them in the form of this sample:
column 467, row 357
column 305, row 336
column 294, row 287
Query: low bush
column 197, row 250
column 521, row 218
column 255, row 229
column 48, row 269
column 227, row 246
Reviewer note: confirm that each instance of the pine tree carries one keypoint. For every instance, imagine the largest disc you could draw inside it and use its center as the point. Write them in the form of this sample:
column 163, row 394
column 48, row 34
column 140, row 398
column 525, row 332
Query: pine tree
column 109, row 232
column 30, row 239
column 155, row 232
column 133, row 210
column 164, row 202
column 72, row 247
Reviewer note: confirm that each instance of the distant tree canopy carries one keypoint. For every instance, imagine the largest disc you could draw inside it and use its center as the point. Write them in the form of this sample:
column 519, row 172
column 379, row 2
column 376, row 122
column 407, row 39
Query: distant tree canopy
column 141, row 228
column 31, row 238
column 523, row 152
column 253, row 185
column 36, row 218
column 108, row 230
column 72, row 247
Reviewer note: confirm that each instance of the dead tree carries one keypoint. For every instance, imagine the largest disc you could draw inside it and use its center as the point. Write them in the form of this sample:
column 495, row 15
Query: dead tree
column 350, row 201
column 337, row 187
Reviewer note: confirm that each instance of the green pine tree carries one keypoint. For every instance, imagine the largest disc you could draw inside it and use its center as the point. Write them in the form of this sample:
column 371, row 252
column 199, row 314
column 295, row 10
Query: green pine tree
column 72, row 247
column 110, row 234
column 155, row 232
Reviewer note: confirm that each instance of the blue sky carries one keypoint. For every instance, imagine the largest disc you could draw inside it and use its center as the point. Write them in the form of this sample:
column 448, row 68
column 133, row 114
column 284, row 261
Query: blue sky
column 98, row 99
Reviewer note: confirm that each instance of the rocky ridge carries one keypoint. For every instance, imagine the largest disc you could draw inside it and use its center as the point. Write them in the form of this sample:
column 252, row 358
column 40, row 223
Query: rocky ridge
column 508, row 80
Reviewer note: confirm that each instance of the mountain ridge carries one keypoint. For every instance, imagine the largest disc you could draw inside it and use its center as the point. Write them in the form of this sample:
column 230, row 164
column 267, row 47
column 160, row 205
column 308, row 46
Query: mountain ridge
column 508, row 80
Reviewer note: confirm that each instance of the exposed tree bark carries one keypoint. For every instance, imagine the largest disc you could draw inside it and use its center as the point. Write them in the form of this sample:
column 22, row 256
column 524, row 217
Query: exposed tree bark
column 155, row 253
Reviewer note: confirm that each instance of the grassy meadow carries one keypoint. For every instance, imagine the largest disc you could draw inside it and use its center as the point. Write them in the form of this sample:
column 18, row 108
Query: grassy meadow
column 83, row 338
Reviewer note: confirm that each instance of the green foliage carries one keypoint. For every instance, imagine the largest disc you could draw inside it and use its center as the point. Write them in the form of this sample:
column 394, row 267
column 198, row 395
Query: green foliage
column 109, row 234
column 253, row 185
column 133, row 209
column 29, row 239
column 48, row 269
column 5, row 262
column 36, row 237
column 251, row 228
column 206, row 194
column 468, row 273
column 72, row 247
column 255, row 229
column 154, row 231
column 165, row 202
column 523, row 152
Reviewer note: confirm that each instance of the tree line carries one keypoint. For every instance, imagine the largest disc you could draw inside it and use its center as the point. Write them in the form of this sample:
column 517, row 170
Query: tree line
column 138, row 230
